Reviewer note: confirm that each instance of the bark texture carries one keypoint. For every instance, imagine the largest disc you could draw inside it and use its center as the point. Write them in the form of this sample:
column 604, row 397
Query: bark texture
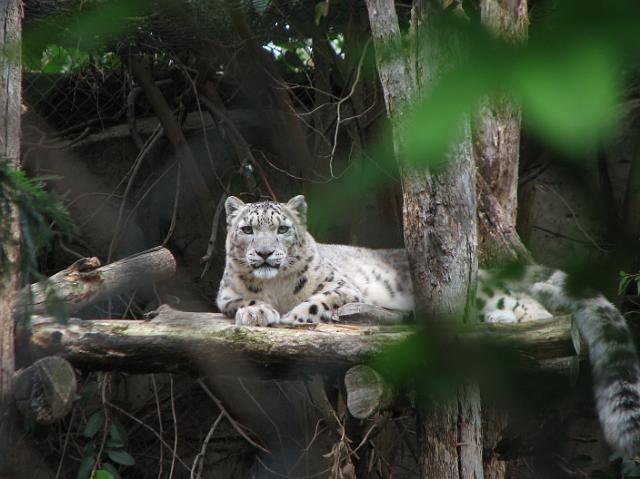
column 46, row 390
column 497, row 153
column 497, row 147
column 85, row 282
column 17, row 458
column 439, row 211
column 10, row 93
column 187, row 341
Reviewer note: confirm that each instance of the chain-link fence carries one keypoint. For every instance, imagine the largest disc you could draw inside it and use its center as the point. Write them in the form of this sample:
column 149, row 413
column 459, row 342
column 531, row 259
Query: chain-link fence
column 68, row 102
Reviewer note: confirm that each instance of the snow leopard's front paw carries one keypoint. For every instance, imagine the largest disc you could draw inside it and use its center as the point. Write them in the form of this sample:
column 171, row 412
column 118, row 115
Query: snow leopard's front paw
column 309, row 312
column 258, row 315
column 501, row 316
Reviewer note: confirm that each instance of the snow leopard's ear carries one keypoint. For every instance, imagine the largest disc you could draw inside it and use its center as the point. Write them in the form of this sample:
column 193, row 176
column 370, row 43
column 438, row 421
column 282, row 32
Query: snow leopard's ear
column 233, row 206
column 298, row 205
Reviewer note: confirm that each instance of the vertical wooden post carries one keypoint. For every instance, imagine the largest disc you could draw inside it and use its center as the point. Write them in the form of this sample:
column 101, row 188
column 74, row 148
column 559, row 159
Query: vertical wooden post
column 10, row 94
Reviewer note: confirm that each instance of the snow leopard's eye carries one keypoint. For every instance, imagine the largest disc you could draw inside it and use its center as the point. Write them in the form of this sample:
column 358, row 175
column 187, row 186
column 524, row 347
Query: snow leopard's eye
column 283, row 229
column 248, row 230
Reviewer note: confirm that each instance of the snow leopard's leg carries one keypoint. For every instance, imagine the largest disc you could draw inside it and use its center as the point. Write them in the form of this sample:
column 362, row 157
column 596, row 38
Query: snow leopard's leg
column 247, row 312
column 614, row 360
column 323, row 306
column 499, row 301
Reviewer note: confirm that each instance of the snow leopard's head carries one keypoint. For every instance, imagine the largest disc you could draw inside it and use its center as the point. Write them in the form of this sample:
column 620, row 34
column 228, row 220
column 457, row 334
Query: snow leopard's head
column 266, row 238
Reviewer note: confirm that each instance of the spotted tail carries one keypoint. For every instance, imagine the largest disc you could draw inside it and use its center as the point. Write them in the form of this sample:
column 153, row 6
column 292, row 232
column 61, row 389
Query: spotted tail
column 612, row 353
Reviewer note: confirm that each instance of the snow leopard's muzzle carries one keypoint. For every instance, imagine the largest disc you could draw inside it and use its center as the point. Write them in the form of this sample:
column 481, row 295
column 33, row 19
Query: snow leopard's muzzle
column 265, row 261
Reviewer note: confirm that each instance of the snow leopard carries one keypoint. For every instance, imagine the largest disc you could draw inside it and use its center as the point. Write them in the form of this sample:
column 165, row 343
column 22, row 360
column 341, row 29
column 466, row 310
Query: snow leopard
column 275, row 272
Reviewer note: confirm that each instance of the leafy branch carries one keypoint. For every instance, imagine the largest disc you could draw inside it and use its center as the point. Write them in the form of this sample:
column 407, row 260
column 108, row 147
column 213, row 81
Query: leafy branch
column 42, row 217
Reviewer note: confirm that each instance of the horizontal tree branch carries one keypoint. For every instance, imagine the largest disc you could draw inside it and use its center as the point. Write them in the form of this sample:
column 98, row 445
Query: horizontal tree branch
column 86, row 282
column 176, row 340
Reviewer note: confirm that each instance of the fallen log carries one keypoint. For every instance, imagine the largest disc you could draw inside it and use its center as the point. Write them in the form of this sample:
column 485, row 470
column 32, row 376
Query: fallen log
column 184, row 341
column 86, row 282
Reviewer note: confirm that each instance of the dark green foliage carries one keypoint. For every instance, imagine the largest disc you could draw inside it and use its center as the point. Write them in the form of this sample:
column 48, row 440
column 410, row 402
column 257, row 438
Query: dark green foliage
column 42, row 217
column 94, row 424
column 107, row 440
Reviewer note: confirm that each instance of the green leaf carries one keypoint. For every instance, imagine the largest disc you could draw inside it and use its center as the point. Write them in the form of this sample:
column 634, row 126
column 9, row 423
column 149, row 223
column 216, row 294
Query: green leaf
column 630, row 468
column 85, row 467
column 570, row 96
column 438, row 119
column 90, row 448
column 121, row 457
column 107, row 466
column 103, row 474
column 118, row 433
column 321, row 11
column 94, row 424
column 113, row 444
column 89, row 391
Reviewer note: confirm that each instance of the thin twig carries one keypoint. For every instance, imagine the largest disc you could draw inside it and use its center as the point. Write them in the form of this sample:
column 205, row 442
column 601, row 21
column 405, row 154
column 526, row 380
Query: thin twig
column 66, row 442
column 176, row 200
column 574, row 215
column 261, row 409
column 233, row 422
column 339, row 106
column 203, row 449
column 288, row 476
column 160, row 427
column 175, row 427
column 136, row 166
column 202, row 123
column 105, row 428
column 149, row 428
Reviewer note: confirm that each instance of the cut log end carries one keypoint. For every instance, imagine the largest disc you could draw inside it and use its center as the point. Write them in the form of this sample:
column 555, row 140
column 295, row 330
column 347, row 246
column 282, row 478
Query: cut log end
column 44, row 392
column 367, row 391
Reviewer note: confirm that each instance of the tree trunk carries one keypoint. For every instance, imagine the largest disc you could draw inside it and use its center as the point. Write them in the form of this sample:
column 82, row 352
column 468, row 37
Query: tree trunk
column 441, row 237
column 440, row 228
column 497, row 152
column 497, row 147
column 17, row 459
column 10, row 88
column 10, row 77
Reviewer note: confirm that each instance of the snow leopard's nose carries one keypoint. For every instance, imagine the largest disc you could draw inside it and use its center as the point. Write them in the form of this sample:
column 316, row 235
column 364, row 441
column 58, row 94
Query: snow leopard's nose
column 264, row 253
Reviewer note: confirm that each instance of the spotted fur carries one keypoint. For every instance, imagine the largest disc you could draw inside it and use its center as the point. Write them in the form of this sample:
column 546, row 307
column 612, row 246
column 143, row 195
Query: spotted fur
column 276, row 273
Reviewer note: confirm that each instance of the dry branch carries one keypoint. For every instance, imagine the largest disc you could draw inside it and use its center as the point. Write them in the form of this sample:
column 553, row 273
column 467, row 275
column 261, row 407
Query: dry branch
column 173, row 131
column 177, row 340
column 85, row 282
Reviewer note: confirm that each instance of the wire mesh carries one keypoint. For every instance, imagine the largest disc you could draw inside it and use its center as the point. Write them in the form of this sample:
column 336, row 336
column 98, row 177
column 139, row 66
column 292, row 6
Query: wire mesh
column 74, row 101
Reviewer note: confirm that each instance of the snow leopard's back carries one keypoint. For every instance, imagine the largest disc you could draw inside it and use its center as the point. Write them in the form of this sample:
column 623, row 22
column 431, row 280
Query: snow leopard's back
column 381, row 275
